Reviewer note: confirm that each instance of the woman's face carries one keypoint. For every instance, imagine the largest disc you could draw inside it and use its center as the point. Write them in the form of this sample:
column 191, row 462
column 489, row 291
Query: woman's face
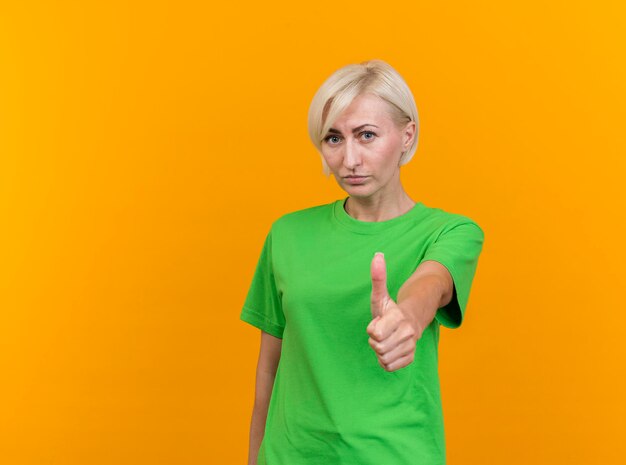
column 364, row 145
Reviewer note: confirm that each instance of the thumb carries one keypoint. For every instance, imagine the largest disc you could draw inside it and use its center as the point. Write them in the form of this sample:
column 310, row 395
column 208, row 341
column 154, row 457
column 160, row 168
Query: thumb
column 380, row 295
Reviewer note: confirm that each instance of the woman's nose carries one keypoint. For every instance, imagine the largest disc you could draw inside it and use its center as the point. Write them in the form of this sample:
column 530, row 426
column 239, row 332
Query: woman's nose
column 352, row 155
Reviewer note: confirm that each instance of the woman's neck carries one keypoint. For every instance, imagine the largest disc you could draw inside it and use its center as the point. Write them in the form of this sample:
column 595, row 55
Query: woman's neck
column 380, row 208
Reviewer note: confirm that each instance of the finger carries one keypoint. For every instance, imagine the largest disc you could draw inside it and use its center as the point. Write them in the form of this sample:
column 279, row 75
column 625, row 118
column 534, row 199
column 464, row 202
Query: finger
column 399, row 363
column 380, row 295
column 385, row 326
column 397, row 352
column 380, row 348
column 372, row 325
column 400, row 342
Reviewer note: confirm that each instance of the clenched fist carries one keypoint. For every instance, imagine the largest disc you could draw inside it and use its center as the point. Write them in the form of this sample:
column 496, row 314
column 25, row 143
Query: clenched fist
column 393, row 331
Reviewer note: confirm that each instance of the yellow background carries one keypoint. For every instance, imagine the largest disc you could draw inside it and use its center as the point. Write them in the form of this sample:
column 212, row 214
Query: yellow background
column 146, row 147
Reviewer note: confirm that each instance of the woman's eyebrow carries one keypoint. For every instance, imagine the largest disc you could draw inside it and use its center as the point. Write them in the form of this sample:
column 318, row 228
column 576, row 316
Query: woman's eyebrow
column 335, row 131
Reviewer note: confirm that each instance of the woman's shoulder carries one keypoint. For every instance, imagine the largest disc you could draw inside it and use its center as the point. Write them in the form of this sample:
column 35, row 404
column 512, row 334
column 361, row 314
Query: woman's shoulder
column 446, row 219
column 302, row 217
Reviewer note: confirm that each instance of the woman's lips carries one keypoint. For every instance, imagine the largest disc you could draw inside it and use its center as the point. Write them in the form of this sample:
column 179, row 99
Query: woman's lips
column 355, row 179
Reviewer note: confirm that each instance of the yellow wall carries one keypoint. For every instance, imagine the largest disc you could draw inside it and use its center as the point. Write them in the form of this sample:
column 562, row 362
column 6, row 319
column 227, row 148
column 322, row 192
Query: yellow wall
column 146, row 149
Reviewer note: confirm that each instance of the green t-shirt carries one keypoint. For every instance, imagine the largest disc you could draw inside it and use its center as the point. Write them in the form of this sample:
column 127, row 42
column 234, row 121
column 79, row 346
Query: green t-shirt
column 332, row 403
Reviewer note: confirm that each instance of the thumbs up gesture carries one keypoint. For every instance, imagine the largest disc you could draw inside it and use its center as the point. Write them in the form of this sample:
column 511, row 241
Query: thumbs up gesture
column 393, row 331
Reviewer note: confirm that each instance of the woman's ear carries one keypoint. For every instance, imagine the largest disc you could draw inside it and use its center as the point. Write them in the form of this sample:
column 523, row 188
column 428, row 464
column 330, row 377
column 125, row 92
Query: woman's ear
column 408, row 135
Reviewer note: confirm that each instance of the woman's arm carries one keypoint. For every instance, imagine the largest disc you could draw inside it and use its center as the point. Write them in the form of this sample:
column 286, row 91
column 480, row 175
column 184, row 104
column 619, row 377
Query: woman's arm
column 397, row 326
column 429, row 288
column 269, row 355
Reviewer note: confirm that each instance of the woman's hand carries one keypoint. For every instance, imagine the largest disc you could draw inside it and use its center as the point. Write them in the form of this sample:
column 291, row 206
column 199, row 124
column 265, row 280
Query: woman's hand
column 394, row 330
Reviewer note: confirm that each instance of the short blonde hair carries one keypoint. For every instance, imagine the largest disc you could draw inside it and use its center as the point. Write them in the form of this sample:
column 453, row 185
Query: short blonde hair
column 344, row 85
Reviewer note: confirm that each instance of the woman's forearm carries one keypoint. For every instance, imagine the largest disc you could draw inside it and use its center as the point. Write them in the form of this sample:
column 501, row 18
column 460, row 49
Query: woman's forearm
column 428, row 289
column 269, row 356
column 265, row 382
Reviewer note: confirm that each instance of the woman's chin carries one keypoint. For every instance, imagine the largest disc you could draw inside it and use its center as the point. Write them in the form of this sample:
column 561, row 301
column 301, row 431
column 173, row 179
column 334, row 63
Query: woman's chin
column 357, row 191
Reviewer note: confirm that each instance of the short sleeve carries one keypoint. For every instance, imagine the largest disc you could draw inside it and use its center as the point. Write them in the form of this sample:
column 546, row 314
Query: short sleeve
column 458, row 250
column 262, row 307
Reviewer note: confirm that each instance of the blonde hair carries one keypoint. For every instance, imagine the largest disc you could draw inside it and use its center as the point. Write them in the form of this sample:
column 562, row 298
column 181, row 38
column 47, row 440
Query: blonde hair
column 344, row 85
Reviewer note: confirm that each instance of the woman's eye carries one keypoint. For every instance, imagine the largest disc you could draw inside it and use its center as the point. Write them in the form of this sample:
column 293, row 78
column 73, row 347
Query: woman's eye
column 368, row 135
column 332, row 139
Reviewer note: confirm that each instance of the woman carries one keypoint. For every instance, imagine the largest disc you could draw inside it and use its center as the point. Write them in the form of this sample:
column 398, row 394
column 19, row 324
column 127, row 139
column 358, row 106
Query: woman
column 347, row 370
